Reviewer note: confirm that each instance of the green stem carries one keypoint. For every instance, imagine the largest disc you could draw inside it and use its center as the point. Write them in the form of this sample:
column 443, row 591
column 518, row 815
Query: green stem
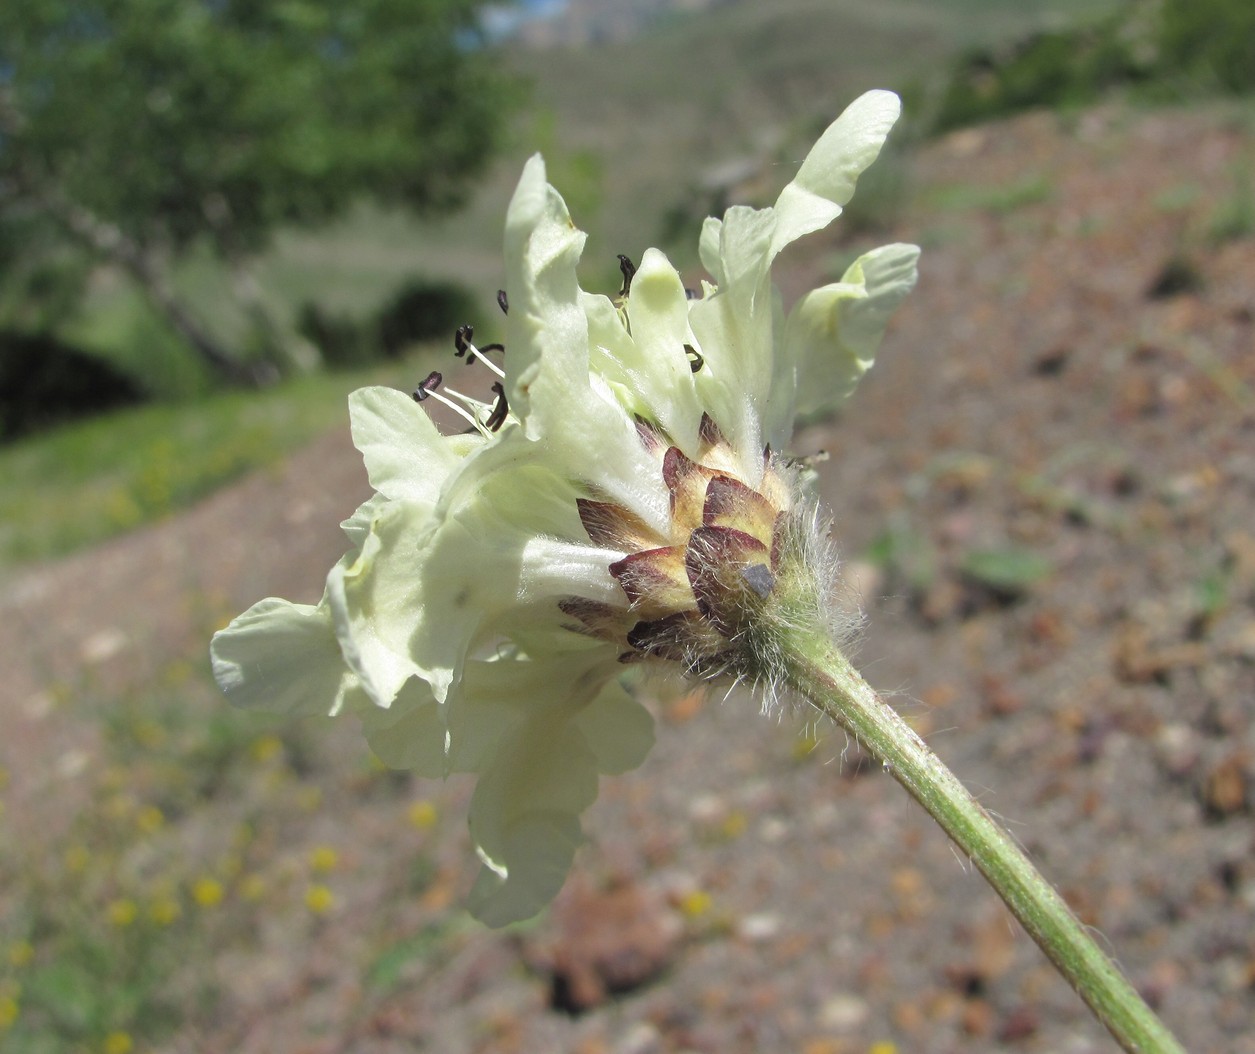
column 820, row 672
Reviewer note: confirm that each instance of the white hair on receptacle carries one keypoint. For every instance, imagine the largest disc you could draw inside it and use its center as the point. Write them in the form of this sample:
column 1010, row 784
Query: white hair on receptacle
column 757, row 658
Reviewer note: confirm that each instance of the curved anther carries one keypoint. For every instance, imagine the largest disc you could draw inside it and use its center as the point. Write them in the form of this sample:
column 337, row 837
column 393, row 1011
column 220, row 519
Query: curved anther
column 627, row 269
column 500, row 409
column 695, row 357
column 503, row 302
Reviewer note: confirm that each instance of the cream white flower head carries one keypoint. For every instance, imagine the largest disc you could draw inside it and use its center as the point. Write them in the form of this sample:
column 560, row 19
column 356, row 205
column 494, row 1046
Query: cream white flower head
column 615, row 504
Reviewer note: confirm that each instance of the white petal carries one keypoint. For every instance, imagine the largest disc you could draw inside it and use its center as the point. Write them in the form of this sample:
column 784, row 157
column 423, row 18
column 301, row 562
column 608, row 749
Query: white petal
column 736, row 325
column 428, row 582
column 547, row 366
column 284, row 658
column 825, row 182
column 745, row 240
column 618, row 729
column 357, row 526
column 411, row 733
column 833, row 333
column 525, row 819
column 552, row 568
column 540, row 732
column 613, row 356
column 708, row 248
column 546, row 332
column 377, row 600
column 406, row 457
column 736, row 375
column 658, row 311
column 497, row 697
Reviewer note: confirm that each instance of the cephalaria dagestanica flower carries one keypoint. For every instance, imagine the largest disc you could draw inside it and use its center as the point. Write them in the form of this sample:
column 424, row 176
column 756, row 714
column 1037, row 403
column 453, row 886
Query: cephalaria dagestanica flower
column 621, row 500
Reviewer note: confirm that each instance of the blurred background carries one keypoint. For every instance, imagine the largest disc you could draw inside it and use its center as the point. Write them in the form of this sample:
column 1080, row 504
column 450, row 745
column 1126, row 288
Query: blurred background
column 217, row 218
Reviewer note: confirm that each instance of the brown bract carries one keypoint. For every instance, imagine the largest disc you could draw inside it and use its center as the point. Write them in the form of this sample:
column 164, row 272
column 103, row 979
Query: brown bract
column 689, row 596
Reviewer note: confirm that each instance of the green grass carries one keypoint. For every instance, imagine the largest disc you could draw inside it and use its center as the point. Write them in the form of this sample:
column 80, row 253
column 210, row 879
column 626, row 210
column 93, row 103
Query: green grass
column 86, row 482
column 1008, row 198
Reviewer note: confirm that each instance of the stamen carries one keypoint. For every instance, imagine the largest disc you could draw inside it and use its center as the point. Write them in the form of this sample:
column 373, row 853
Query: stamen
column 462, row 346
column 502, row 302
column 628, row 269
column 500, row 409
column 429, row 387
column 694, row 356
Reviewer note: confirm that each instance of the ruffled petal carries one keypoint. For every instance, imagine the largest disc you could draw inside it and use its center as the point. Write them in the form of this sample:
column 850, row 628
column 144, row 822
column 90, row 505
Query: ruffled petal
column 378, row 601
column 586, row 431
column 357, row 526
column 662, row 373
column 524, row 819
column 618, row 730
column 546, row 331
column 497, row 696
column 406, row 456
column 737, row 326
column 825, row 182
column 410, row 734
column 284, row 658
column 833, row 333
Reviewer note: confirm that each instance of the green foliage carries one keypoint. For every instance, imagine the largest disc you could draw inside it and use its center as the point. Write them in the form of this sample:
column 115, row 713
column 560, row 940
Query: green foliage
column 421, row 311
column 89, row 481
column 1234, row 215
column 178, row 119
column 1162, row 48
column 1059, row 68
column 44, row 382
column 146, row 129
column 1210, row 41
column 1009, row 572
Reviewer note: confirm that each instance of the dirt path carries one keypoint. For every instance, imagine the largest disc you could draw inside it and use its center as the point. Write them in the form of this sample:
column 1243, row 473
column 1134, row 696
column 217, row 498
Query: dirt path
column 103, row 622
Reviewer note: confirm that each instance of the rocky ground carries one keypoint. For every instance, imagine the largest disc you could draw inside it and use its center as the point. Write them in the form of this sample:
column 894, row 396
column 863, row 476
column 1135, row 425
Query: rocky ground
column 1046, row 494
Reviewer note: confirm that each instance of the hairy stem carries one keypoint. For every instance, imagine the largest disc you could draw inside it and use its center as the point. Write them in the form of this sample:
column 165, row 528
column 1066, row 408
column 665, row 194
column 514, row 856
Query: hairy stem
column 817, row 670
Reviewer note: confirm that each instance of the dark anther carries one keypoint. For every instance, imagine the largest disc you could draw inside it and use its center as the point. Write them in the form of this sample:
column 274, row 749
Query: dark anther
column 694, row 357
column 690, row 294
column 502, row 302
column 428, row 386
column 628, row 269
column 462, row 342
column 499, row 410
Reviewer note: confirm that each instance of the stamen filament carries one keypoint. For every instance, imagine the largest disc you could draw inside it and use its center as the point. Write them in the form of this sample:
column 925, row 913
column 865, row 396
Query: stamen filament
column 430, row 388
column 463, row 345
column 485, row 360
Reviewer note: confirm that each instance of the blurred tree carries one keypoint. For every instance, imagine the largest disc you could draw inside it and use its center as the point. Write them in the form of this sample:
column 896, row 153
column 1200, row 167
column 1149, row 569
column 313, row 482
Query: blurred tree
column 142, row 128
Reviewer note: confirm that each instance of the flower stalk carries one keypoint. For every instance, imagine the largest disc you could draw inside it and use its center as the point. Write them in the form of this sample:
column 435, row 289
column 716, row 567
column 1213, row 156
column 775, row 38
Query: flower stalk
column 816, row 669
